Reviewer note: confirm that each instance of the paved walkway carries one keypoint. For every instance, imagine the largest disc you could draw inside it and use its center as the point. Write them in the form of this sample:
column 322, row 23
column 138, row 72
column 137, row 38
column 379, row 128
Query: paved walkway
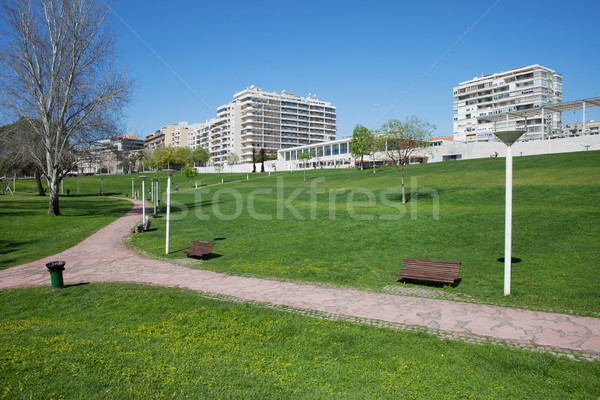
column 104, row 257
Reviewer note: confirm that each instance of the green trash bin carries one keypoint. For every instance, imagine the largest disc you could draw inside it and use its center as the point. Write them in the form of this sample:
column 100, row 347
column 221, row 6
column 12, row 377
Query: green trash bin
column 56, row 276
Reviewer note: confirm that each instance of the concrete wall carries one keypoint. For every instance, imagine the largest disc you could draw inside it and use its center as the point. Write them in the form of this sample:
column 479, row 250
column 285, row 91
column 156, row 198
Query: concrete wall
column 487, row 149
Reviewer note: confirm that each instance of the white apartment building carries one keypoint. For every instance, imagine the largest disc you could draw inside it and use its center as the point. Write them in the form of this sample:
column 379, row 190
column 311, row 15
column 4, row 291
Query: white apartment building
column 519, row 89
column 577, row 129
column 257, row 120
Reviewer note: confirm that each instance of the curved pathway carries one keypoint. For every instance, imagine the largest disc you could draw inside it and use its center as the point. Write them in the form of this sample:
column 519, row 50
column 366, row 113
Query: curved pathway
column 104, row 257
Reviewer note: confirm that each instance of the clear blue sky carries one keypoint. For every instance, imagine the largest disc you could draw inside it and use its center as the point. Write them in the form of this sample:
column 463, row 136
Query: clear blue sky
column 373, row 60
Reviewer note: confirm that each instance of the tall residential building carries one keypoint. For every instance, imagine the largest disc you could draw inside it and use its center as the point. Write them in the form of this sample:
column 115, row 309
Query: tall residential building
column 254, row 120
column 257, row 120
column 179, row 135
column 520, row 88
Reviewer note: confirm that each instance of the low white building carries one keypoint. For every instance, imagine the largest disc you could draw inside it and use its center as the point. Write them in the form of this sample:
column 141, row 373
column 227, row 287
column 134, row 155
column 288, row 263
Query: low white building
column 332, row 154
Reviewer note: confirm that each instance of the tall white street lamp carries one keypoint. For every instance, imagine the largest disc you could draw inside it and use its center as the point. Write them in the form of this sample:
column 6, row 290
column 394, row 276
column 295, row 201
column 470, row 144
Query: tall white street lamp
column 508, row 138
column 169, row 173
column 143, row 178
column 132, row 188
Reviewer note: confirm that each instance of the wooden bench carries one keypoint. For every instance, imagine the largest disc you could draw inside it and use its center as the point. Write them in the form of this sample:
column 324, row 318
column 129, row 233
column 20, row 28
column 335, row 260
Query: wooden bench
column 429, row 270
column 142, row 227
column 199, row 248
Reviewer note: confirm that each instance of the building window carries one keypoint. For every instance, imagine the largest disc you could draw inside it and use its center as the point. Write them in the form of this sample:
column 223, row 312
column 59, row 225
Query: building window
column 335, row 149
column 343, row 148
column 328, row 150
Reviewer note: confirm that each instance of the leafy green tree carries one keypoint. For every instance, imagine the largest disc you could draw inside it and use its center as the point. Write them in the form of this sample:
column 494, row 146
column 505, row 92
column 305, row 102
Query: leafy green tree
column 402, row 139
column 171, row 157
column 305, row 157
column 162, row 157
column 361, row 142
column 181, row 156
column 190, row 172
column 374, row 144
column 199, row 156
column 268, row 156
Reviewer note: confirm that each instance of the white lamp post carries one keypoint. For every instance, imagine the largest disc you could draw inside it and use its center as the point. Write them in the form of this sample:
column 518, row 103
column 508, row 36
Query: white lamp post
column 154, row 193
column 132, row 188
column 143, row 178
column 169, row 173
column 508, row 138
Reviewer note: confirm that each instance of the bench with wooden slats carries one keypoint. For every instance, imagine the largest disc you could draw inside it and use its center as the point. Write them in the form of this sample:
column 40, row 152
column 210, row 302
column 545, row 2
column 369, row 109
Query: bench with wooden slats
column 199, row 248
column 429, row 270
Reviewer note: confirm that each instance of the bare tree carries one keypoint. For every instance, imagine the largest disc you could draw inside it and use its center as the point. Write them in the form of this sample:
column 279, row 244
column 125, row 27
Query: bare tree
column 401, row 139
column 18, row 142
column 57, row 71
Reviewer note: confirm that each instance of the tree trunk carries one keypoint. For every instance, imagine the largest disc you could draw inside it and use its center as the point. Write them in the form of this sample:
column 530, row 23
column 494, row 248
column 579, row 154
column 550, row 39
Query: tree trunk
column 402, row 179
column 53, row 188
column 40, row 187
column 362, row 165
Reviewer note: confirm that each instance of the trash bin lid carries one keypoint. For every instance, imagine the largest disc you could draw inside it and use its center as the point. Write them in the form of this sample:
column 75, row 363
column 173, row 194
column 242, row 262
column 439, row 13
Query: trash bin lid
column 56, row 265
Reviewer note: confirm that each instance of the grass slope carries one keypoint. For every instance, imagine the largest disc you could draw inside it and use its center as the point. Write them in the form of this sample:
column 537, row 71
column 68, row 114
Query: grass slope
column 28, row 233
column 348, row 227
column 114, row 341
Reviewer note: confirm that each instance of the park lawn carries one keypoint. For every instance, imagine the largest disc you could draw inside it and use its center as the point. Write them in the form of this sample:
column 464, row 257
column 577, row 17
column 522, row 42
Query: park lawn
column 349, row 228
column 28, row 233
column 121, row 185
column 131, row 341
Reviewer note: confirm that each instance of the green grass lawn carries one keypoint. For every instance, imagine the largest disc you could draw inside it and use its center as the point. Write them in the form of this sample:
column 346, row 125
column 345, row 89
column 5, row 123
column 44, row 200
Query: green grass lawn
column 29, row 234
column 106, row 341
column 348, row 227
column 352, row 230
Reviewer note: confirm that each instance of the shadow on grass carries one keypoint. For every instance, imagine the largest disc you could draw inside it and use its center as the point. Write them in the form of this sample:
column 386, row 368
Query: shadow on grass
column 513, row 260
column 10, row 246
column 77, row 284
column 429, row 283
column 205, row 257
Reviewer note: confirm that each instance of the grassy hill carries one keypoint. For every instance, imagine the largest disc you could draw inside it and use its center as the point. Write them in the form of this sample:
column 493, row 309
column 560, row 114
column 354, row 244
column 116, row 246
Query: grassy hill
column 348, row 227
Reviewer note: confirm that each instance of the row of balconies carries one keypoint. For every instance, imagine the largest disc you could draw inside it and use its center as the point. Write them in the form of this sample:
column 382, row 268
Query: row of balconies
column 293, row 104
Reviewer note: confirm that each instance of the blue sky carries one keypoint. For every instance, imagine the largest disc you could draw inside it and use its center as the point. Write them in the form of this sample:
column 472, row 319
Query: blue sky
column 373, row 60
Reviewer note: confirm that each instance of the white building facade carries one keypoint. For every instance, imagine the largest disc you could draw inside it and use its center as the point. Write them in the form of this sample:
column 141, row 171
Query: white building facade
column 257, row 120
column 519, row 89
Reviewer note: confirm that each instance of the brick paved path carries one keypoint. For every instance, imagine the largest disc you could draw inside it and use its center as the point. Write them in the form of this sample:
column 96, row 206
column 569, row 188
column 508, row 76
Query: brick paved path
column 104, row 257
